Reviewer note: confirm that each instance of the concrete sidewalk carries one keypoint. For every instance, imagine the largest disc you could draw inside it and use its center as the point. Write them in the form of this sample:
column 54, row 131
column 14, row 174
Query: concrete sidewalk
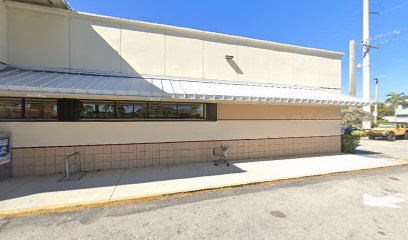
column 22, row 196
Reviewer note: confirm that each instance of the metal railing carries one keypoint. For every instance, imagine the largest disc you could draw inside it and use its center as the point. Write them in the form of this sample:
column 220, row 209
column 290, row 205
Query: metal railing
column 72, row 164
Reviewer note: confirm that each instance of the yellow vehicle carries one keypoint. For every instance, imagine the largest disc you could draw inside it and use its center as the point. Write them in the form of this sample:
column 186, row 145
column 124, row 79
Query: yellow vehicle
column 390, row 131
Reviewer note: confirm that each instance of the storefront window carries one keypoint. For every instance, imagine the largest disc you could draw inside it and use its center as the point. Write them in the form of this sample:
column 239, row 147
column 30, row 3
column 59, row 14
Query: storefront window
column 49, row 109
column 11, row 108
column 41, row 109
column 162, row 110
column 129, row 110
column 97, row 109
column 191, row 110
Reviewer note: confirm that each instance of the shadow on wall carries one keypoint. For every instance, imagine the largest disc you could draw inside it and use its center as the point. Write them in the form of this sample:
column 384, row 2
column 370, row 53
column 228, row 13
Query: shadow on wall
column 96, row 47
column 235, row 66
column 106, row 47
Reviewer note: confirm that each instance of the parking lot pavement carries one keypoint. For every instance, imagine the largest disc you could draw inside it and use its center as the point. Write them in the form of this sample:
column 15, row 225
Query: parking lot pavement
column 360, row 206
column 27, row 195
column 396, row 149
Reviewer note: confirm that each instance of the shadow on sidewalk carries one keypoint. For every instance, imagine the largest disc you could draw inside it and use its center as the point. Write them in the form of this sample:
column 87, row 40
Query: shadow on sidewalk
column 24, row 186
column 365, row 152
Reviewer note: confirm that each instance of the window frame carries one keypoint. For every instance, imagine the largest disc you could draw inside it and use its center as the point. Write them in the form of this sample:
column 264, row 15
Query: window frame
column 146, row 118
column 22, row 106
column 123, row 102
column 40, row 119
column 71, row 112
column 23, row 111
column 96, row 101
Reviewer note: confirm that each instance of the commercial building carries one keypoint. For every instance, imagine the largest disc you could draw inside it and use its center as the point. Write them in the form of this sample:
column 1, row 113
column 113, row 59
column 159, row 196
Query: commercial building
column 401, row 112
column 128, row 94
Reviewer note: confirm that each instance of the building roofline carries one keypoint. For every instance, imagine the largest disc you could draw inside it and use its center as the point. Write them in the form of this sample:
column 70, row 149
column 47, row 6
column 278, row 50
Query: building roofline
column 209, row 35
column 146, row 76
column 168, row 29
column 18, row 80
column 58, row 4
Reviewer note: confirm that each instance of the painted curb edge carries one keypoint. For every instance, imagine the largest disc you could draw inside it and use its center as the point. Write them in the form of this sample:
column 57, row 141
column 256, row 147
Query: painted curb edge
column 30, row 212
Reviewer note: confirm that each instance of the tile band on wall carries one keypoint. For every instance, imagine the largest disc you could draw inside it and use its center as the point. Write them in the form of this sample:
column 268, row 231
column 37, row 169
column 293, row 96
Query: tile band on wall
column 50, row 160
column 213, row 140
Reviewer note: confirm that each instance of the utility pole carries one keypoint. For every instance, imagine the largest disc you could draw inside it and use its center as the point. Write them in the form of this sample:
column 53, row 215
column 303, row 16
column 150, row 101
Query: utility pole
column 352, row 68
column 366, row 61
column 376, row 101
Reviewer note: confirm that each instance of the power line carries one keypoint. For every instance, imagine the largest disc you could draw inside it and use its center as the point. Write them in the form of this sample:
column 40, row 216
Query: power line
column 391, row 40
column 394, row 8
column 383, row 35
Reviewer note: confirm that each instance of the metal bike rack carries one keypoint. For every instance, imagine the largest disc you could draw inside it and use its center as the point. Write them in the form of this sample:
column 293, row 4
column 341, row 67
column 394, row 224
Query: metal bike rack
column 72, row 165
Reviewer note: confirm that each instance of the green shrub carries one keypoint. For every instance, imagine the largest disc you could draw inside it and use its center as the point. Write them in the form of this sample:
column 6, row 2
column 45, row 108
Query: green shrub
column 349, row 143
column 360, row 133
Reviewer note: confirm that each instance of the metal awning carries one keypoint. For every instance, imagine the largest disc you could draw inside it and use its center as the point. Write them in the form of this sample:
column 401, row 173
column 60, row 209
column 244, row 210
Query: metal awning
column 62, row 4
column 47, row 82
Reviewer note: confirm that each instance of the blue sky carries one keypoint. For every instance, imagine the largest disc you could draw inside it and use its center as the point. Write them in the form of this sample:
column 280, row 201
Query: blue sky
column 325, row 24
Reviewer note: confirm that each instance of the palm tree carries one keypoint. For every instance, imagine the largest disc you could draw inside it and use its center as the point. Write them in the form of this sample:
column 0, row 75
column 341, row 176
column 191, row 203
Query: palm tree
column 395, row 99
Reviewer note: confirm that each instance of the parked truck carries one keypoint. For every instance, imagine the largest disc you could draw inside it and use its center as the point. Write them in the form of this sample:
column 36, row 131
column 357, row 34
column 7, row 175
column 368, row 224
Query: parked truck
column 390, row 131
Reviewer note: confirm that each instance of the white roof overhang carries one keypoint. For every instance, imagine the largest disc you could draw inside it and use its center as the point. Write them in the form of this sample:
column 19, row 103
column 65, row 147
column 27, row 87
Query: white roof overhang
column 62, row 4
column 153, row 87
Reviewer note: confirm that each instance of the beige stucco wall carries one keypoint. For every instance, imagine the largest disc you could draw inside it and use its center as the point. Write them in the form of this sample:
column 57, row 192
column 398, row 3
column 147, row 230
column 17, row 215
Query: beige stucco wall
column 3, row 32
column 184, row 57
column 49, row 38
column 95, row 45
column 38, row 39
column 150, row 46
column 83, row 133
column 236, row 122
column 254, row 64
column 272, row 112
column 215, row 66
column 329, row 74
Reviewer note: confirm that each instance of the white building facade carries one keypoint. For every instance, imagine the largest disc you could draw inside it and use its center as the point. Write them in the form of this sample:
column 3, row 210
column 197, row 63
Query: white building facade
column 129, row 94
column 401, row 112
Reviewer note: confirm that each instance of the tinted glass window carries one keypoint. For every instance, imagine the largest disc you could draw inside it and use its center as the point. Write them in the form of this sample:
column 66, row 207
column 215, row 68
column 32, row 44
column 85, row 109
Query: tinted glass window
column 128, row 110
column 191, row 110
column 162, row 110
column 41, row 109
column 140, row 110
column 97, row 109
column 10, row 108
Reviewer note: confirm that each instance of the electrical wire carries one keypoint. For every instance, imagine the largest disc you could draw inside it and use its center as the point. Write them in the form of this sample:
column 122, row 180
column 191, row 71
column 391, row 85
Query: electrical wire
column 383, row 35
column 392, row 40
column 394, row 8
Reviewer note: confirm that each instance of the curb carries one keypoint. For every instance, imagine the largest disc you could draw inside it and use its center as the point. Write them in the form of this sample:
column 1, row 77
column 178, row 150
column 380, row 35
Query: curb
column 30, row 212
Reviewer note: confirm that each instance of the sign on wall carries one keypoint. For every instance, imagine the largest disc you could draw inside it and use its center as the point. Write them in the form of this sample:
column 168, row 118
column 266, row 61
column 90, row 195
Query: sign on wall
column 5, row 158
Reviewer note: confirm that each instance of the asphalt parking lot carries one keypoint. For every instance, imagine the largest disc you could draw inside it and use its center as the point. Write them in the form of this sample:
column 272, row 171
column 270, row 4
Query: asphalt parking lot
column 359, row 206
column 369, row 205
column 383, row 148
